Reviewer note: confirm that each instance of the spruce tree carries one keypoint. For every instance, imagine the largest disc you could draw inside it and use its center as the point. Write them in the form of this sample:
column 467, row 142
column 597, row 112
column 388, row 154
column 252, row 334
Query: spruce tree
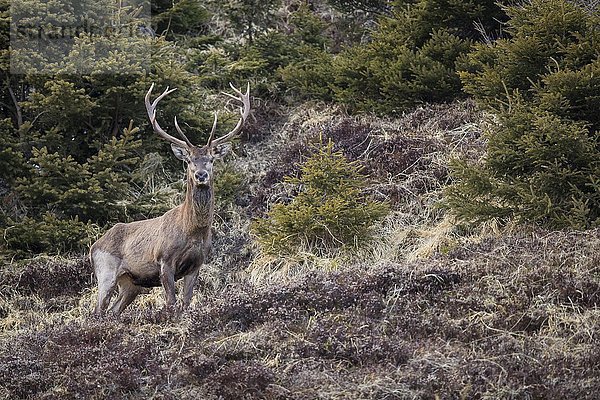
column 543, row 156
column 410, row 58
column 330, row 209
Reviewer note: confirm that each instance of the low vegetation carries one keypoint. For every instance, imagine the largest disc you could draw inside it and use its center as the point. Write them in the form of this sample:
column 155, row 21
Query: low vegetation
column 508, row 317
column 433, row 309
column 411, row 211
column 329, row 208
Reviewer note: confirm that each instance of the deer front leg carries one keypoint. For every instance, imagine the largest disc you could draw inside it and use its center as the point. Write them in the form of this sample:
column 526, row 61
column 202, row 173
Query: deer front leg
column 189, row 281
column 167, row 279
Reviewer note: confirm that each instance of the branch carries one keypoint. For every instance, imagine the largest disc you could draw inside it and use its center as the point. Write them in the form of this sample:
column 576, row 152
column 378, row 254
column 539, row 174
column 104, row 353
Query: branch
column 18, row 112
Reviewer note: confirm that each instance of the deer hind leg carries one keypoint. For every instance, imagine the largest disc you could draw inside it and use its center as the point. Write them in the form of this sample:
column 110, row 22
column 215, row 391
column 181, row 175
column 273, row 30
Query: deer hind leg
column 106, row 267
column 128, row 291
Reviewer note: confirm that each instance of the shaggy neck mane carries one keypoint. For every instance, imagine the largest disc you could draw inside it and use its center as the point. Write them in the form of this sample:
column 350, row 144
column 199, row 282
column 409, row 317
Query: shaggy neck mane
column 198, row 206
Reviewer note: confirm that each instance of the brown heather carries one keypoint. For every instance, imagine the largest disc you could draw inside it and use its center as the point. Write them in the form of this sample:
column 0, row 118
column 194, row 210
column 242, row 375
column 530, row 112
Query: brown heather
column 432, row 311
column 510, row 317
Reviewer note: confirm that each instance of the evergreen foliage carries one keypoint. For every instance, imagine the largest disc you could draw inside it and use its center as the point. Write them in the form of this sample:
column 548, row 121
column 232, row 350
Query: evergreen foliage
column 228, row 186
column 70, row 146
column 329, row 210
column 467, row 19
column 88, row 191
column 551, row 58
column 540, row 168
column 543, row 82
column 250, row 17
column 409, row 59
column 270, row 50
column 387, row 76
column 311, row 77
column 47, row 233
column 179, row 19
column 12, row 162
column 373, row 6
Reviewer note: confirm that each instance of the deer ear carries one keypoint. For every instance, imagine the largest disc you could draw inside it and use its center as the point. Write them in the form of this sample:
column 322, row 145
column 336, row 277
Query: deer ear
column 180, row 152
column 221, row 150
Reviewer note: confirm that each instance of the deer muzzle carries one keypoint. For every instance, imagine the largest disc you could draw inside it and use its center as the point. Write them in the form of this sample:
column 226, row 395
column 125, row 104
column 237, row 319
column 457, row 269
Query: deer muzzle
column 202, row 178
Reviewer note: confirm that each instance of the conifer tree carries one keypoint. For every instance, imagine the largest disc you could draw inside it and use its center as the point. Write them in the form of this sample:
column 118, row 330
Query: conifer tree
column 410, row 57
column 330, row 209
column 543, row 157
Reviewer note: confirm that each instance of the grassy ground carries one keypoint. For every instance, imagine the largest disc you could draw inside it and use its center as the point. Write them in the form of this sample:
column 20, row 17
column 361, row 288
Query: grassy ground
column 431, row 310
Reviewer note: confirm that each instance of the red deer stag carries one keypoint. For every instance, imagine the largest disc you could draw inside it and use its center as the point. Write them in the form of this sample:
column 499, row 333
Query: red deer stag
column 155, row 252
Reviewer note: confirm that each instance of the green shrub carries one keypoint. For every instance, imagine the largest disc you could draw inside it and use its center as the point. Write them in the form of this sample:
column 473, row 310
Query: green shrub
column 540, row 167
column 387, row 76
column 47, row 234
column 88, row 191
column 180, row 18
column 329, row 211
column 543, row 157
column 312, row 76
column 409, row 59
column 250, row 17
column 229, row 185
column 467, row 19
column 550, row 58
column 350, row 6
column 309, row 27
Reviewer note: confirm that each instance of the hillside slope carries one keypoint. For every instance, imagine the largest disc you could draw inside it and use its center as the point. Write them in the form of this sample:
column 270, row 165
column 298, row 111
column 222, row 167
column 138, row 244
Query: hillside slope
column 430, row 310
column 510, row 317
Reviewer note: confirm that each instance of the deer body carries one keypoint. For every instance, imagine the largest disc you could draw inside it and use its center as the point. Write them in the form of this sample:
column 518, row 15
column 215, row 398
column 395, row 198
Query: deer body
column 132, row 257
column 155, row 252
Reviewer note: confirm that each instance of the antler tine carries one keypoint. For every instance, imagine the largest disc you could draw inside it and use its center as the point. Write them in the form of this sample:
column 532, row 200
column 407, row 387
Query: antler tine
column 151, row 110
column 214, row 128
column 237, row 91
column 244, row 111
column 163, row 94
column 182, row 134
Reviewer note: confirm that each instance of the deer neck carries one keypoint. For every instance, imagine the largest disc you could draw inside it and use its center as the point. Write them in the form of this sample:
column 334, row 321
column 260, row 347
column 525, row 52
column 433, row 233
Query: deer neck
column 198, row 206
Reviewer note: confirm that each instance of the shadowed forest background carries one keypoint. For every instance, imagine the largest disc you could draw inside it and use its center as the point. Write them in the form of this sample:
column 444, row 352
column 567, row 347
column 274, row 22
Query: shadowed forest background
column 411, row 211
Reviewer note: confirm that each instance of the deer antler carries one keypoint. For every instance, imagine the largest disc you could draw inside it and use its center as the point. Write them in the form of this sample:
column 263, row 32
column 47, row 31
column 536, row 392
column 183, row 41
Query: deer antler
column 151, row 109
column 181, row 132
column 244, row 111
column 214, row 128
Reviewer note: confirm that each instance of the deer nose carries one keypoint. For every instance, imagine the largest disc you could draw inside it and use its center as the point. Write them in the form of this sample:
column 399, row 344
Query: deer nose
column 201, row 176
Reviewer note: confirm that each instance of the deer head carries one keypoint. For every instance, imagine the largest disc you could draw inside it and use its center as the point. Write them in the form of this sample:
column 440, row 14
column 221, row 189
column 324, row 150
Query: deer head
column 199, row 159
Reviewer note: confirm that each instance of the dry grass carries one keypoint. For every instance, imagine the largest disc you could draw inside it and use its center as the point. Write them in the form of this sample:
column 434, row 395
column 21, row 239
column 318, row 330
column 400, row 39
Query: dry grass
column 510, row 317
column 406, row 159
column 428, row 311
